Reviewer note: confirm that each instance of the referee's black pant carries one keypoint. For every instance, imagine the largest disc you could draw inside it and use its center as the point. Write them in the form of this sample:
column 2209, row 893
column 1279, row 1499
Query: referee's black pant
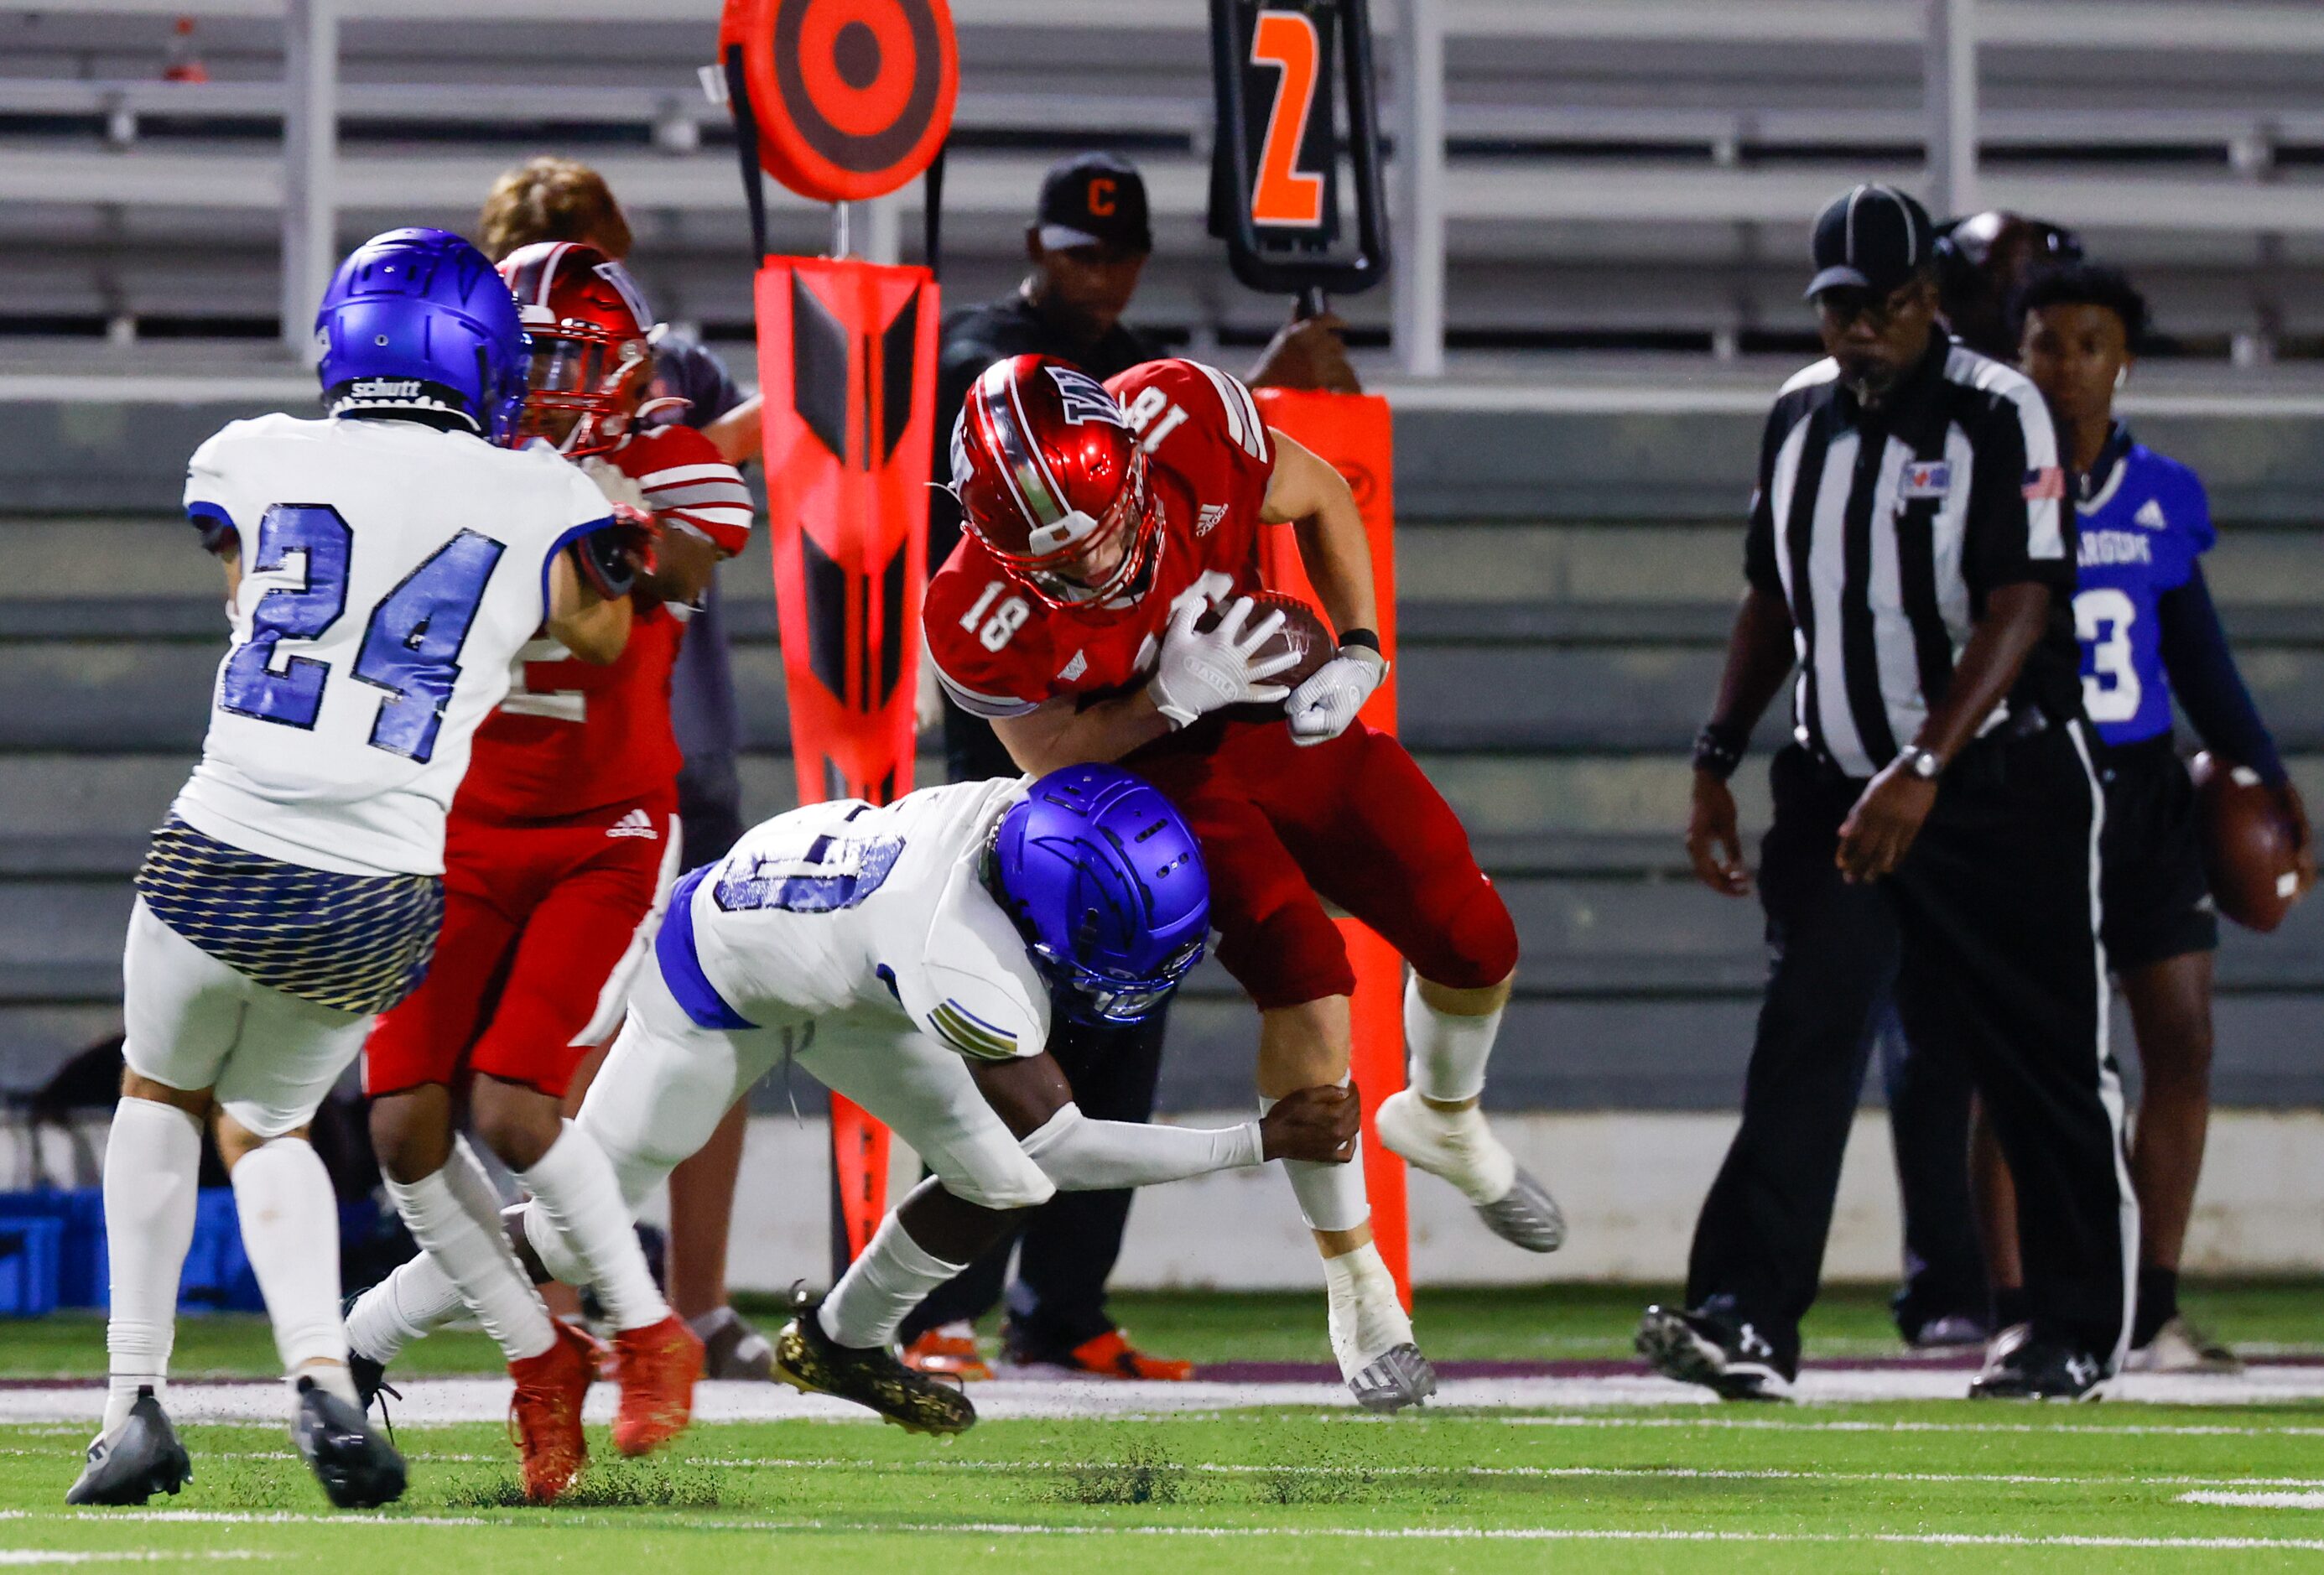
column 1066, row 1250
column 1993, row 919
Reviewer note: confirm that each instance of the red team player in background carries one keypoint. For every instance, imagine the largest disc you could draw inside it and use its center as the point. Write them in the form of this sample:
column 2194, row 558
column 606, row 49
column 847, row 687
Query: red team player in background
column 1102, row 521
column 561, row 848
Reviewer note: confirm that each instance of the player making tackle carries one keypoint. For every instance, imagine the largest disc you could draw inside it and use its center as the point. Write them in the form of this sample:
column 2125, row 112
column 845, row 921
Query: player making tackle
column 1103, row 522
column 383, row 566
column 913, row 958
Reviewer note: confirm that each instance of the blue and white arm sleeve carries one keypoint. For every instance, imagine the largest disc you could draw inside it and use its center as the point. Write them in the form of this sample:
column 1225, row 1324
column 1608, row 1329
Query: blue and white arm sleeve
column 1082, row 1156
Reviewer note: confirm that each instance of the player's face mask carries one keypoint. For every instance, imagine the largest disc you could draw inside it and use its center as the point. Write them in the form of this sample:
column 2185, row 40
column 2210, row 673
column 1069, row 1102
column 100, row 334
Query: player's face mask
column 1086, row 995
column 582, row 391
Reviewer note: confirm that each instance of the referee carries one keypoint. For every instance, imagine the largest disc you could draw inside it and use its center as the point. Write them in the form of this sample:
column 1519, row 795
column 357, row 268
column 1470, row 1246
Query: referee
column 1937, row 815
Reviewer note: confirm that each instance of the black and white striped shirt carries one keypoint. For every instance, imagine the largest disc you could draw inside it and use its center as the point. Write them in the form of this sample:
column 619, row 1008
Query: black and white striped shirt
column 1883, row 531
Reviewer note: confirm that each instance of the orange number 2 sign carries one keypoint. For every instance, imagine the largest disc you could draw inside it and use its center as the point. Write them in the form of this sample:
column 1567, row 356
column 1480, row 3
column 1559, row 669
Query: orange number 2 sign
column 1284, row 196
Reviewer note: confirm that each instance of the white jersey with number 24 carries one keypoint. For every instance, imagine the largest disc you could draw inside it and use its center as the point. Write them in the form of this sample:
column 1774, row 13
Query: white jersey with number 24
column 390, row 571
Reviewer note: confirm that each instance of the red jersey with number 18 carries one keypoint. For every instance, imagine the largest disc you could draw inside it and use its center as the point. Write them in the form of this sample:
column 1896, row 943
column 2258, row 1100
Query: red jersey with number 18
column 572, row 737
column 1209, row 457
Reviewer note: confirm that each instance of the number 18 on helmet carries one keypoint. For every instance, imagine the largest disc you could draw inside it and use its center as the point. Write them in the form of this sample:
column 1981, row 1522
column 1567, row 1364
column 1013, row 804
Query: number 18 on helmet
column 1106, row 884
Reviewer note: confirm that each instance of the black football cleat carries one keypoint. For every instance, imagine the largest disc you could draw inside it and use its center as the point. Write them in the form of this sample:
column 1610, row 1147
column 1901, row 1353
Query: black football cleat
column 358, row 1467
column 2024, row 1366
column 1700, row 1346
column 807, row 1358
column 370, row 1376
column 132, row 1462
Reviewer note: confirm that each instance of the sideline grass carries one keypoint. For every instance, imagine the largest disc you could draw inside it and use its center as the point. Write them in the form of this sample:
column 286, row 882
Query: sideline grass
column 1547, row 1322
column 2019, row 1489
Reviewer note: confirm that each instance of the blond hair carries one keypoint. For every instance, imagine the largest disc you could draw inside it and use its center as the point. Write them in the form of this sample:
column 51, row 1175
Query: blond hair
column 550, row 199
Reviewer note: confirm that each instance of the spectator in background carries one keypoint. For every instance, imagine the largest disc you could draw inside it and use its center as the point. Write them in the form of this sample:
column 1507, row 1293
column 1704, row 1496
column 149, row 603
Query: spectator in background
column 2150, row 635
column 1088, row 243
column 562, row 199
column 1983, row 261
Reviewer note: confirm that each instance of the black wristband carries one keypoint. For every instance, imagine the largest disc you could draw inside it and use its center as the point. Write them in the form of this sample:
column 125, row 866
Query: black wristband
column 1719, row 750
column 1362, row 637
column 604, row 559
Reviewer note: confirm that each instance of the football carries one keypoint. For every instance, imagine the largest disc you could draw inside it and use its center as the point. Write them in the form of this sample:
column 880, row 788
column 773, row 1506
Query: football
column 2247, row 844
column 1303, row 633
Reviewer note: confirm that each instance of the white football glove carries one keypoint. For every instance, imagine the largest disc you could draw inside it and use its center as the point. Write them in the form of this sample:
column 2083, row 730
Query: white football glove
column 1200, row 671
column 1322, row 707
column 618, row 485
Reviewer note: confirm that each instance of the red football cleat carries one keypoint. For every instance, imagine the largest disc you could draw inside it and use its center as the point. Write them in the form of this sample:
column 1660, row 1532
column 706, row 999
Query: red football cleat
column 949, row 1347
column 545, row 1413
column 1112, row 1357
column 658, row 1365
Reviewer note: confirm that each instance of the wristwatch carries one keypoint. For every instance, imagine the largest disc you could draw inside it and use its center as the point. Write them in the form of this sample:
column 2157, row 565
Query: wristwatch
column 1922, row 763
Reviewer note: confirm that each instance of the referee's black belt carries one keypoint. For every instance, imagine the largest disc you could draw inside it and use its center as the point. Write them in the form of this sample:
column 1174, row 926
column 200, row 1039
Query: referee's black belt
column 2024, row 722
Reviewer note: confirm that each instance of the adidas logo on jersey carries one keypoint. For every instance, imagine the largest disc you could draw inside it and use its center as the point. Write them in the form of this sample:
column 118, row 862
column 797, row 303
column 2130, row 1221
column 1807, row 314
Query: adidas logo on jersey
column 1208, row 519
column 2150, row 514
column 636, row 824
column 1075, row 668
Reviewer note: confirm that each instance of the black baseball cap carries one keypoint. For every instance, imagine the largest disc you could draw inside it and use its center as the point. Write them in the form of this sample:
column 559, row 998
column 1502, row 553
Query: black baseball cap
column 1870, row 237
column 1094, row 199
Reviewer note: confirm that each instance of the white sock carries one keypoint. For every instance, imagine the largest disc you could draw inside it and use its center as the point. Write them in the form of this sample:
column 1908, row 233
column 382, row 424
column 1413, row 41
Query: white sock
column 880, row 1289
column 1448, row 1052
column 477, row 1260
column 574, row 1187
column 152, row 1165
column 1367, row 1319
column 1332, row 1197
column 414, row 1302
column 291, row 1229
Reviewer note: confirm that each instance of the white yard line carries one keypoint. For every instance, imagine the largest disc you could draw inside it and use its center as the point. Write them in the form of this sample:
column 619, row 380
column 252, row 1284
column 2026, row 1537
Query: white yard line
column 433, row 1401
column 263, row 1517
column 1809, row 1424
column 1456, row 1534
column 11, row 1556
column 2257, row 1500
column 1451, row 1534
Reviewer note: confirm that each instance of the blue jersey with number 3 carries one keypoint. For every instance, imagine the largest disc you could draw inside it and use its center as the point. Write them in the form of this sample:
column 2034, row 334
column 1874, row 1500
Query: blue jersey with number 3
column 2140, row 530
column 389, row 574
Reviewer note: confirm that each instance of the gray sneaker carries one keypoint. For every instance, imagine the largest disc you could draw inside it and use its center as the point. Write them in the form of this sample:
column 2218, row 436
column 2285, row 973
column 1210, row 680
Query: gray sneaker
column 2180, row 1347
column 731, row 1347
column 1398, row 1378
column 134, row 1460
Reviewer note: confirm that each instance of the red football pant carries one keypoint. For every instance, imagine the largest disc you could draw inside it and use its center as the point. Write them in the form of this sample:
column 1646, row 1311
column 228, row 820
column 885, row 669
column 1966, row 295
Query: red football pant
column 1350, row 820
column 543, row 924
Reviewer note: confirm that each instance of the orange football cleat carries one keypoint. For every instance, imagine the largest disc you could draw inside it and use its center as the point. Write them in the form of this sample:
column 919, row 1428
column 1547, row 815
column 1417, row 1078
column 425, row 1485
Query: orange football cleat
column 1112, row 1357
column 949, row 1347
column 658, row 1365
column 545, row 1413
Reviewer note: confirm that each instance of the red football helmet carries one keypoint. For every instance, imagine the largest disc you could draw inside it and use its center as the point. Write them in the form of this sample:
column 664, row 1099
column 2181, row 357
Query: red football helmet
column 1052, row 481
column 591, row 357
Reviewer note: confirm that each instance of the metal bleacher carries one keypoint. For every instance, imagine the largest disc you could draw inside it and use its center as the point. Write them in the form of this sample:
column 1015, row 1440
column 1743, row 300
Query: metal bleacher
column 1627, row 185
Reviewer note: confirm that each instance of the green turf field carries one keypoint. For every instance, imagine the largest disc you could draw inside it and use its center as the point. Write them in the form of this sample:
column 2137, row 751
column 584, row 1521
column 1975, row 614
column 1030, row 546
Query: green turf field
column 1965, row 1489
column 1948, row 1486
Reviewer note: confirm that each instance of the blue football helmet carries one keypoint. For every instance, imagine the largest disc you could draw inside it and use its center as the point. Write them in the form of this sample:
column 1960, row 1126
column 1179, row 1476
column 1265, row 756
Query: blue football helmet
column 1106, row 884
column 416, row 319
